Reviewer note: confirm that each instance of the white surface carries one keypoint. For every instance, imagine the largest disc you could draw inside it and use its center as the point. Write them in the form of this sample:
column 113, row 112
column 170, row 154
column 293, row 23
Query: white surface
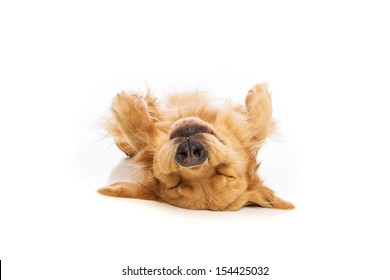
column 328, row 68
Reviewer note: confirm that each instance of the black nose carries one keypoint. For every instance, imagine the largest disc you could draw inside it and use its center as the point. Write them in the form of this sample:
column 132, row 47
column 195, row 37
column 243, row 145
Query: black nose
column 190, row 153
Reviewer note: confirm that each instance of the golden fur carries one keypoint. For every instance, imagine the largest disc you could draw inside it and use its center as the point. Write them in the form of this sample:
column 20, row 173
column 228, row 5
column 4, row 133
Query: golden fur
column 229, row 135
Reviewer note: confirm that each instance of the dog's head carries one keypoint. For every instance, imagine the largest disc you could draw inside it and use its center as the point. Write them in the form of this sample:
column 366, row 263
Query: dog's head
column 202, row 166
column 203, row 162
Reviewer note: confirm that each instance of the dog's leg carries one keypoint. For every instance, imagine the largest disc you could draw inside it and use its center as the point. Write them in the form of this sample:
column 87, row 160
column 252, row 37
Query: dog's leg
column 133, row 118
column 259, row 108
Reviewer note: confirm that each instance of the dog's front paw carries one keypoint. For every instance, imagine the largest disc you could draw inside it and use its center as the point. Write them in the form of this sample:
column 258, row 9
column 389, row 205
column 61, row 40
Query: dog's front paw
column 258, row 98
column 131, row 115
column 129, row 106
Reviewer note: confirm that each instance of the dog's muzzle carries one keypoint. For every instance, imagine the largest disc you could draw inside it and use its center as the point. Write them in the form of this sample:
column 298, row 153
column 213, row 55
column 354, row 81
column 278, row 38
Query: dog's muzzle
column 191, row 151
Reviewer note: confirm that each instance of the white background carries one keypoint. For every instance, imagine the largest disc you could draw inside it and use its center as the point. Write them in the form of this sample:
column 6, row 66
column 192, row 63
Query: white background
column 327, row 65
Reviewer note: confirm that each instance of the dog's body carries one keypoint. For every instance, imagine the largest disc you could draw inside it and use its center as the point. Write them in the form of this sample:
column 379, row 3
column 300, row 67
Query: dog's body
column 193, row 154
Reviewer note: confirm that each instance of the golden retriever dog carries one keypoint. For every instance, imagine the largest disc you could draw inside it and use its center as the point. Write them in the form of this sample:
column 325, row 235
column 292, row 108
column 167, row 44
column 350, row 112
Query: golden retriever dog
column 194, row 154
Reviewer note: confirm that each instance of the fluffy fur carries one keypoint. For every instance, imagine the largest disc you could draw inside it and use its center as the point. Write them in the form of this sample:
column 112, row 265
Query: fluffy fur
column 230, row 136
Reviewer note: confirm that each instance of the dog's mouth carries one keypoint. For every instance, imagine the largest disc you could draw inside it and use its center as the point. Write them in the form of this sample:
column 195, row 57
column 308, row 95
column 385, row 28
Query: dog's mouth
column 189, row 130
column 188, row 127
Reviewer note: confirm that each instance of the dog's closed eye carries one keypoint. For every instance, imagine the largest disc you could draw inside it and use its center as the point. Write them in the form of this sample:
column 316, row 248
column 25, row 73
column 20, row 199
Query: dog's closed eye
column 225, row 170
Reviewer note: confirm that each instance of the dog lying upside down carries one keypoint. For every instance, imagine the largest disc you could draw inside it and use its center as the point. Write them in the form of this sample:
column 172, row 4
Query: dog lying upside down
column 194, row 154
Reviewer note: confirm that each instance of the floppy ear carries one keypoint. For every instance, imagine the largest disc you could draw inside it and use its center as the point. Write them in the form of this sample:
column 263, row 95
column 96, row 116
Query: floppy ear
column 130, row 190
column 262, row 196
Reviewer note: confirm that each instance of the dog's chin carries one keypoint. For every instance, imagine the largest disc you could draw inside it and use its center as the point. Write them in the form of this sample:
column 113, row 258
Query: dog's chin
column 189, row 126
